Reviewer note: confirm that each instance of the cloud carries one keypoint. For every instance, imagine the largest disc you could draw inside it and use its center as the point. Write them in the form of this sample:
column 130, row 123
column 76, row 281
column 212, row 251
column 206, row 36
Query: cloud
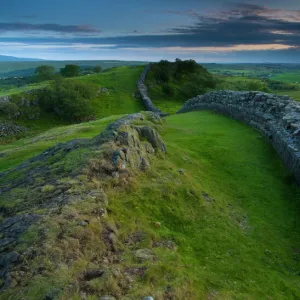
column 244, row 29
column 28, row 27
column 55, row 46
column 191, row 12
column 246, row 24
column 243, row 24
column 236, row 48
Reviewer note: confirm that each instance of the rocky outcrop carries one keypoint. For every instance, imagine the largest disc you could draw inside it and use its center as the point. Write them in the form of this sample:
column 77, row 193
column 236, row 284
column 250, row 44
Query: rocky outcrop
column 5, row 99
column 63, row 174
column 276, row 117
column 142, row 88
column 8, row 129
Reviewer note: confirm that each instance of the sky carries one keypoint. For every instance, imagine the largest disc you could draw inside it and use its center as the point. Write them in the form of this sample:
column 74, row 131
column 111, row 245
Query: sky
column 217, row 31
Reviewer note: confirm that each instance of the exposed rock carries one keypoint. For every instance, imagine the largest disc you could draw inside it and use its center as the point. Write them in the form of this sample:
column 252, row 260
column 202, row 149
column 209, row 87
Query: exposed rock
column 107, row 298
column 52, row 295
column 152, row 137
column 5, row 99
column 122, row 150
column 8, row 129
column 9, row 258
column 148, row 298
column 104, row 90
column 144, row 254
column 92, row 274
column 276, row 117
column 165, row 244
column 207, row 198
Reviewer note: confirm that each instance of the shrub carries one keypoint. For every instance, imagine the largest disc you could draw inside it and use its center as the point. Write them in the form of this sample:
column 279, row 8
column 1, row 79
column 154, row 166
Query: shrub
column 70, row 71
column 187, row 78
column 97, row 69
column 69, row 99
column 44, row 72
column 10, row 110
column 168, row 90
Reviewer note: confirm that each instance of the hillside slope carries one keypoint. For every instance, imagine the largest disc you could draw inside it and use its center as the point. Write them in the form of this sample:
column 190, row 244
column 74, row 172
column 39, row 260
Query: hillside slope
column 213, row 218
column 117, row 95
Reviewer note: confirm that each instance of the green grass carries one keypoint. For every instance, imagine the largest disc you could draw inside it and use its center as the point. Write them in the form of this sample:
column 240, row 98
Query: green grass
column 241, row 244
column 121, row 83
column 18, row 151
column 293, row 94
column 288, row 77
column 23, row 89
column 166, row 104
column 233, row 215
column 27, row 68
column 233, row 83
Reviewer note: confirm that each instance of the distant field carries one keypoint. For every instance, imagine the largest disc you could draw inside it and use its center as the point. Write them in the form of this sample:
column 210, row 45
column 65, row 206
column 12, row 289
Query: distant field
column 281, row 72
column 27, row 68
column 288, row 77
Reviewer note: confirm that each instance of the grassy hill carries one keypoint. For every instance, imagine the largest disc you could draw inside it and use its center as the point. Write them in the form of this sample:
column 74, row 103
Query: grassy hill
column 27, row 68
column 218, row 214
column 118, row 97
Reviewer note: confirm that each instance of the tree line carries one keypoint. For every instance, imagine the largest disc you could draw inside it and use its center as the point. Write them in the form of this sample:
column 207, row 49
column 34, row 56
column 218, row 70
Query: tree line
column 46, row 72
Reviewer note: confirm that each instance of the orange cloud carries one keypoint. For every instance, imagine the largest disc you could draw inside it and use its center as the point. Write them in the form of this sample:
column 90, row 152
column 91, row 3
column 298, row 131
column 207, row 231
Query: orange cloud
column 241, row 47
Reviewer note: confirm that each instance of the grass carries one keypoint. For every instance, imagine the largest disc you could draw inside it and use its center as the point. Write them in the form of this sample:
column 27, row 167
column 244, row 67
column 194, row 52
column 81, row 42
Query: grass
column 293, row 94
column 171, row 104
column 27, row 68
column 22, row 89
column 121, row 85
column 288, row 77
column 23, row 149
column 167, row 104
column 231, row 211
column 232, row 214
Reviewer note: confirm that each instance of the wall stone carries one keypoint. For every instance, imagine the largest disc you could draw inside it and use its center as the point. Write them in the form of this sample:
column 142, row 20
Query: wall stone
column 276, row 117
column 142, row 88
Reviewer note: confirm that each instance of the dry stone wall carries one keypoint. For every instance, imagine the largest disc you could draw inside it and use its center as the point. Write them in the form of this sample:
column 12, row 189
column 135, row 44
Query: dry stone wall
column 276, row 117
column 142, row 88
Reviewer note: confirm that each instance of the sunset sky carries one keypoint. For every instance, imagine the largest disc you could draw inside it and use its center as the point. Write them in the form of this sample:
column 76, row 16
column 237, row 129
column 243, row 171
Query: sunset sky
column 208, row 30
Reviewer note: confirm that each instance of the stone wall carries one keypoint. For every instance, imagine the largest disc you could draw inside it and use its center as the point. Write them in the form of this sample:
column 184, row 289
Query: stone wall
column 142, row 88
column 276, row 117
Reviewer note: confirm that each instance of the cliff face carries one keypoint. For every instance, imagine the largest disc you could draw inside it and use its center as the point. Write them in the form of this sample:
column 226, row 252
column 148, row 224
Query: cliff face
column 277, row 117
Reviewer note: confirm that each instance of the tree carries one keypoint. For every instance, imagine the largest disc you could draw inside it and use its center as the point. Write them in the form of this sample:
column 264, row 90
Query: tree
column 45, row 72
column 70, row 71
column 69, row 99
column 97, row 69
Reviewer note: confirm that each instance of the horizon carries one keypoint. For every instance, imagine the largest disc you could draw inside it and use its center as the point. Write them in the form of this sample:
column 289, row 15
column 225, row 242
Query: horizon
column 32, row 59
column 218, row 32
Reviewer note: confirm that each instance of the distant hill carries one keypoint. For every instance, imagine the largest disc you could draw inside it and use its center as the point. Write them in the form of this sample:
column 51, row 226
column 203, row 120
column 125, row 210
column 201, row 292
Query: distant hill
column 26, row 68
column 12, row 58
